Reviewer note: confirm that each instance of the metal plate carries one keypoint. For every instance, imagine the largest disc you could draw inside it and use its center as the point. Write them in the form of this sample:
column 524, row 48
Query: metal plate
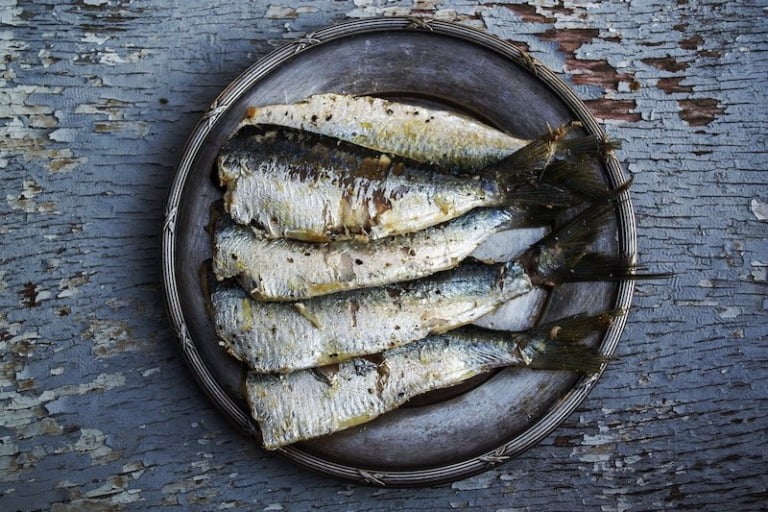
column 447, row 437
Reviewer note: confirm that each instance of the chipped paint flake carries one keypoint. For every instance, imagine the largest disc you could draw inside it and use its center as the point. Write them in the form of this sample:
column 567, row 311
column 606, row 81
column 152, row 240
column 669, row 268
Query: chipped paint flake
column 700, row 111
column 31, row 189
column 759, row 271
column 28, row 127
column 8, row 464
column 15, row 101
column 90, row 37
column 22, row 408
column 367, row 8
column 727, row 313
column 133, row 469
column 69, row 286
column 151, row 371
column 759, row 209
column 111, row 337
column 93, row 442
column 26, row 200
column 108, row 501
column 111, row 109
column 136, row 129
column 63, row 135
column 10, row 14
column 45, row 58
column 110, row 57
column 44, row 427
column 283, row 12
column 63, row 161
column 103, row 382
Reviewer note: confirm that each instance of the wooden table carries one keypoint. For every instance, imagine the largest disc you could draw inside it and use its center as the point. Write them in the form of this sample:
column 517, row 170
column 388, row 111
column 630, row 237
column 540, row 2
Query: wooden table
column 99, row 411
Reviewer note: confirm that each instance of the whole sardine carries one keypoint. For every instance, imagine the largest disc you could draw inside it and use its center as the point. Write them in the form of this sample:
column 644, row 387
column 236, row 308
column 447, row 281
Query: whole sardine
column 294, row 184
column 282, row 270
column 282, row 337
column 444, row 138
column 311, row 403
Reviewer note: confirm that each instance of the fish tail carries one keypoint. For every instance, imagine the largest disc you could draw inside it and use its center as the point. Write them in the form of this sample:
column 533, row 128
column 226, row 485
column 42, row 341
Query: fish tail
column 586, row 145
column 603, row 267
column 577, row 177
column 549, row 259
column 576, row 327
column 554, row 170
column 527, row 162
column 555, row 355
column 546, row 195
column 554, row 145
column 536, row 214
column 564, row 256
column 551, row 346
column 564, row 184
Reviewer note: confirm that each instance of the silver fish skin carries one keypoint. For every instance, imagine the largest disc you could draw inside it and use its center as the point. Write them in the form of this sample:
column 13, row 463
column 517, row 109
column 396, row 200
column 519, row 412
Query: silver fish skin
column 441, row 137
column 311, row 403
column 288, row 270
column 309, row 187
column 272, row 337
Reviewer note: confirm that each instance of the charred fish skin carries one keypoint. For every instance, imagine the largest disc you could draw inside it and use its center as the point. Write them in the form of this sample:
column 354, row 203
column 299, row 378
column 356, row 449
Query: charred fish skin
column 283, row 337
column 289, row 270
column 303, row 404
column 452, row 141
column 310, row 187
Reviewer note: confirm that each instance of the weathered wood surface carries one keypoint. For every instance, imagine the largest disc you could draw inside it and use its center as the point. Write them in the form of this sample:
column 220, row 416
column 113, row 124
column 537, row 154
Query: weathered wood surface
column 98, row 409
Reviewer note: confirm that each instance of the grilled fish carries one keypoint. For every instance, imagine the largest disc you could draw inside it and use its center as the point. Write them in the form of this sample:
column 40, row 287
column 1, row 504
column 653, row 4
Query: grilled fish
column 299, row 185
column 311, row 403
column 282, row 337
column 452, row 141
column 283, row 270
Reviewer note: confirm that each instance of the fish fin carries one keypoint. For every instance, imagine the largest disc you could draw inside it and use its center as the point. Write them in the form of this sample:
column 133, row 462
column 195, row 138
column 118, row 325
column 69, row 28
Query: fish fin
column 564, row 255
column 556, row 355
column 554, row 170
column 555, row 145
column 603, row 267
column 526, row 163
column 576, row 327
column 564, row 184
column 542, row 194
column 551, row 346
column 540, row 214
column 560, row 250
column 577, row 177
column 586, row 145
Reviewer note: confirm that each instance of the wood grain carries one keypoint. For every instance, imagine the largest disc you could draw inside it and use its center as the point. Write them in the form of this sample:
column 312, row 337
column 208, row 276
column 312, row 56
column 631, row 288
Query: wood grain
column 98, row 410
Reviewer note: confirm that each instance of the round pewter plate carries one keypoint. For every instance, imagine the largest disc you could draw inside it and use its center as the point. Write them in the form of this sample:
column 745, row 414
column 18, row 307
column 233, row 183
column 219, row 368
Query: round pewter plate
column 448, row 436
